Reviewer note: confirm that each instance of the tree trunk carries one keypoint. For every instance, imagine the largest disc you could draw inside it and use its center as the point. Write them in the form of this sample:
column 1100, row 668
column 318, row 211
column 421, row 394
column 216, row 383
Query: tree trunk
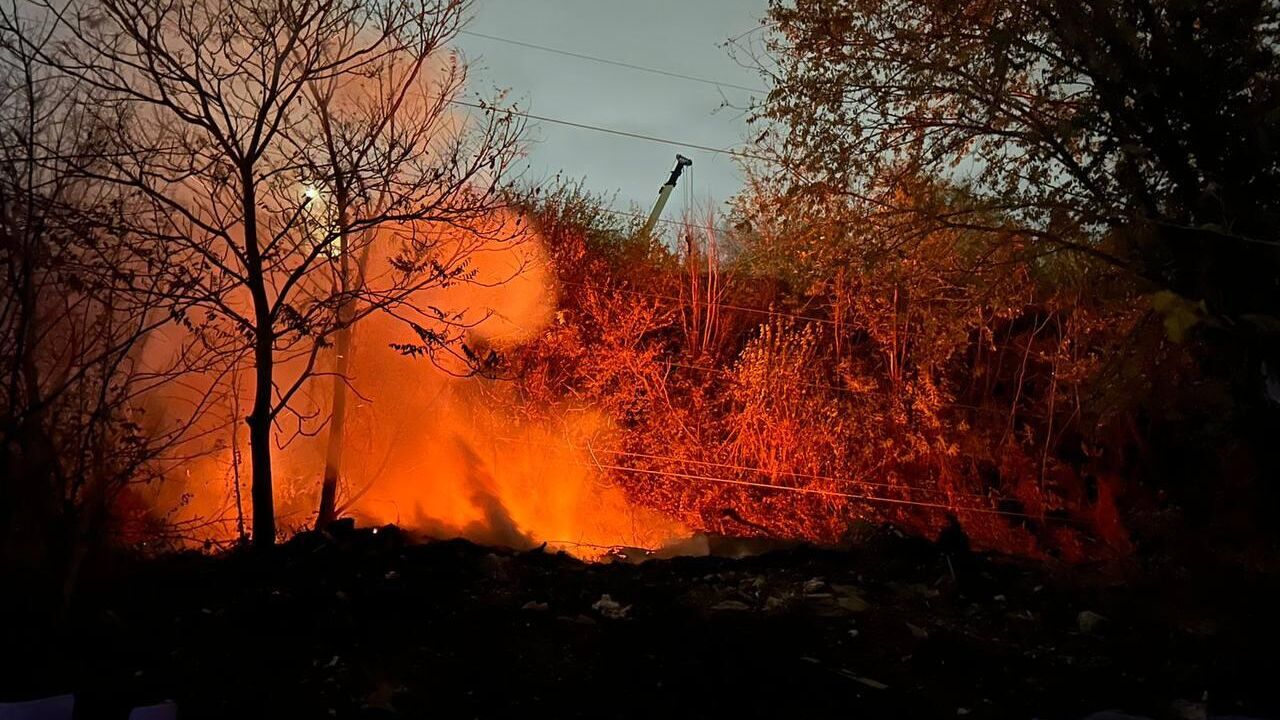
column 337, row 428
column 342, row 363
column 264, row 517
column 259, row 420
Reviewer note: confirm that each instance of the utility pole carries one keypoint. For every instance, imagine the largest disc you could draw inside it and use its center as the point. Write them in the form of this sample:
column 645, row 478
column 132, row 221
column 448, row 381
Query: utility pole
column 664, row 192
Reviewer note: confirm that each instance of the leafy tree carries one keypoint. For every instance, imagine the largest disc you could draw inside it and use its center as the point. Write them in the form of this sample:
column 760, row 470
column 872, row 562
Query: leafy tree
column 1120, row 152
column 1140, row 134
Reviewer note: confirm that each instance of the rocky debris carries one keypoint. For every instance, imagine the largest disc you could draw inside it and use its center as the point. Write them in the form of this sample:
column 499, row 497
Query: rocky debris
column 1188, row 710
column 874, row 684
column 849, row 599
column 918, row 632
column 633, row 555
column 610, row 608
column 1089, row 621
column 450, row 629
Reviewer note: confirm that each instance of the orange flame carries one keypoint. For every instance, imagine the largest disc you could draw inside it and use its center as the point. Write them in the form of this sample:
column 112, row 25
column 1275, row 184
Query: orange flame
column 425, row 449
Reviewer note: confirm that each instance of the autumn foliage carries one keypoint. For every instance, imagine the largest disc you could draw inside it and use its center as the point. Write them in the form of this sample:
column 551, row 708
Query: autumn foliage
column 949, row 377
column 1003, row 265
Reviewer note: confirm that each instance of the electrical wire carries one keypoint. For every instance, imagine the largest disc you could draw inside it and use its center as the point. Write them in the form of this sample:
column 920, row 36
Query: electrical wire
column 726, row 151
column 824, row 493
column 742, row 468
column 617, row 63
column 665, row 221
column 835, row 493
column 610, row 131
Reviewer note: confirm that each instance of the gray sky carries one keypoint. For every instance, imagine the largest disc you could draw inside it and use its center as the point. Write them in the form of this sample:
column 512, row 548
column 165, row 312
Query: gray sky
column 679, row 36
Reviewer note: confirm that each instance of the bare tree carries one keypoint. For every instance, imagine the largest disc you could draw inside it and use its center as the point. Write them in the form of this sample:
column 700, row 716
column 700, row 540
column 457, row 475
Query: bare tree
column 236, row 138
column 393, row 157
column 79, row 303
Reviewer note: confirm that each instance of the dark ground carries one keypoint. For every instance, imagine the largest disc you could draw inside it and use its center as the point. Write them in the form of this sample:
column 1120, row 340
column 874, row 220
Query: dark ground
column 370, row 626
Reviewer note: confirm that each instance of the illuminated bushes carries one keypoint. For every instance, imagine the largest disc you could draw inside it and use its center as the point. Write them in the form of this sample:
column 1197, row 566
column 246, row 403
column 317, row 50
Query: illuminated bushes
column 910, row 390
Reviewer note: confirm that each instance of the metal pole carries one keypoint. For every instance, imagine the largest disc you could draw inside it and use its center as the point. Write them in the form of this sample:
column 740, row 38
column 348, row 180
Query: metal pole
column 664, row 193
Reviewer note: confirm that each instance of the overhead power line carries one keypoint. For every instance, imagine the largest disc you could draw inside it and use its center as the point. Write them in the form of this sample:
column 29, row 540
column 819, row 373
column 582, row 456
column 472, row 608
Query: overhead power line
column 616, row 63
column 664, row 221
column 611, row 131
column 750, row 156
column 957, row 509
column 799, row 490
column 742, row 468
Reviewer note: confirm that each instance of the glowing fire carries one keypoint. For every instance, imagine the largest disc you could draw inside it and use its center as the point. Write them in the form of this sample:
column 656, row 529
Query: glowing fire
column 434, row 449
column 427, row 449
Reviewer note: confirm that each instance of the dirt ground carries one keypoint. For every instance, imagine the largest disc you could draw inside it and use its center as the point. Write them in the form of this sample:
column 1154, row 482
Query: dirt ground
column 369, row 624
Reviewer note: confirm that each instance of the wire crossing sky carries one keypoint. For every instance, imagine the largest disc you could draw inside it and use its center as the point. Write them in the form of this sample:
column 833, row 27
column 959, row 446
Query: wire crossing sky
column 673, row 36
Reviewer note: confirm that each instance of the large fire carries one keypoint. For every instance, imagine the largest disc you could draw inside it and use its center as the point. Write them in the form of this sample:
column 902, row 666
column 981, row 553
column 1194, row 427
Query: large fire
column 429, row 446
column 626, row 419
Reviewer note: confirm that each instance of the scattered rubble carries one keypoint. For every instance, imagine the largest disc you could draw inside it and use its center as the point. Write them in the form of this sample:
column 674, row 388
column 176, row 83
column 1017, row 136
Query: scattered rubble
column 1089, row 621
column 610, row 608
column 371, row 626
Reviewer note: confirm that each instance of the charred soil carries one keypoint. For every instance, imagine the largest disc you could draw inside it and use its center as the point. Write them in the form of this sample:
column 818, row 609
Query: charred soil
column 366, row 624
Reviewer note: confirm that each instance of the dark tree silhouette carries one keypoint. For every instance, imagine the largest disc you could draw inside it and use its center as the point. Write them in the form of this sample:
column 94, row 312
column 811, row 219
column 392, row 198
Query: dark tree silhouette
column 275, row 139
column 1142, row 134
column 81, row 300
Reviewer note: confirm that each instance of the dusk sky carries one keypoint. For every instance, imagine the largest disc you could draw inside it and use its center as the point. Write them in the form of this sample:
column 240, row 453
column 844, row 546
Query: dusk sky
column 672, row 35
